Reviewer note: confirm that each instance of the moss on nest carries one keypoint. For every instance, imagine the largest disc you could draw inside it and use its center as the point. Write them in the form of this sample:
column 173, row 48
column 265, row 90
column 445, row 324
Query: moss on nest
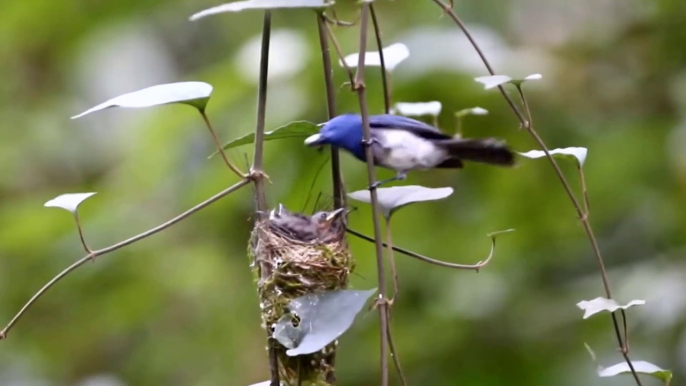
column 286, row 268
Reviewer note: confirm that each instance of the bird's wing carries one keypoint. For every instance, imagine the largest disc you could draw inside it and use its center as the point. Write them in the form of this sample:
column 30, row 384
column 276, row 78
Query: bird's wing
column 397, row 122
column 485, row 150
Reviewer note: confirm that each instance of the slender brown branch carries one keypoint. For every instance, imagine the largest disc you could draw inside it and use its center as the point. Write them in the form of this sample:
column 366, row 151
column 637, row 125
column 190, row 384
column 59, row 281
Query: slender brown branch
column 384, row 73
column 584, row 217
column 218, row 144
column 81, row 237
column 440, row 263
column 257, row 170
column 114, row 247
column 394, row 355
column 338, row 195
column 362, row 96
column 391, row 260
column 341, row 57
column 448, row 9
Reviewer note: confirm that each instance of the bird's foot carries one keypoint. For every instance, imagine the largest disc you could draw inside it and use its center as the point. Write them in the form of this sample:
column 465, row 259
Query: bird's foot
column 381, row 301
column 375, row 185
column 369, row 142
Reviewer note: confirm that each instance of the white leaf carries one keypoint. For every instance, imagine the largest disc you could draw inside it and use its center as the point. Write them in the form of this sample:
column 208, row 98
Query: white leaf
column 392, row 55
column 195, row 94
column 394, row 198
column 323, row 318
column 492, row 81
column 419, row 108
column 261, row 4
column 471, row 111
column 70, row 201
column 579, row 153
column 641, row 367
column 592, row 307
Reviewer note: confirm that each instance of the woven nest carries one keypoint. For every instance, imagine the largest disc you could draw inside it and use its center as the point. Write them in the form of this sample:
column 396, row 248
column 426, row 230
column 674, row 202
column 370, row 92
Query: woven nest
column 286, row 268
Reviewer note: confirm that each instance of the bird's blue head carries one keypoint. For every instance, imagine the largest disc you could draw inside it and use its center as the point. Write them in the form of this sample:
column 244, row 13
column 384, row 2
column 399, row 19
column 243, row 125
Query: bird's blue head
column 343, row 131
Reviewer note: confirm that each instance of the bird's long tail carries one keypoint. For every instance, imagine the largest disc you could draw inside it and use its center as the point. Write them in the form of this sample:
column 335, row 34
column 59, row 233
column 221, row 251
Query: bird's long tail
column 485, row 150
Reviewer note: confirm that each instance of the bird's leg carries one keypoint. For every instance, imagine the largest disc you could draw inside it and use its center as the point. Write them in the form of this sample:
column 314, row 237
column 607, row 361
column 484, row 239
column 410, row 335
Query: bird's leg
column 398, row 177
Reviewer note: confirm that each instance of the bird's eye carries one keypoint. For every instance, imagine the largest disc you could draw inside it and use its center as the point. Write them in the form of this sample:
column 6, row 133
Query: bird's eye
column 323, row 216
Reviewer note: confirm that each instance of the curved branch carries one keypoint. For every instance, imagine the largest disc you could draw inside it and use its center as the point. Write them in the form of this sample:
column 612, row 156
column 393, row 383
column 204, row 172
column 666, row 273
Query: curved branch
column 114, row 247
column 447, row 9
column 474, row 267
column 341, row 57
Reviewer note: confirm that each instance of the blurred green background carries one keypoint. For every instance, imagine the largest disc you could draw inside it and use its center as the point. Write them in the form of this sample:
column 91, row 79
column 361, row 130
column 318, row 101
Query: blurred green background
column 180, row 308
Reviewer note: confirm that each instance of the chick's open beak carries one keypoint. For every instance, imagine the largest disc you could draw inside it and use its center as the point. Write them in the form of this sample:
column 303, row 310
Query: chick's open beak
column 332, row 215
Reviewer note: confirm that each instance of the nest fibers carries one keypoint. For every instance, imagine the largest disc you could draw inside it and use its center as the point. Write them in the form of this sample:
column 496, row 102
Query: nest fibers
column 286, row 268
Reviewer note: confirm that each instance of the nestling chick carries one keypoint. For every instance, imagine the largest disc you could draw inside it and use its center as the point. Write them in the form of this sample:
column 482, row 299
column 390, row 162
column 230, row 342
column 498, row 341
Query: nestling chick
column 319, row 227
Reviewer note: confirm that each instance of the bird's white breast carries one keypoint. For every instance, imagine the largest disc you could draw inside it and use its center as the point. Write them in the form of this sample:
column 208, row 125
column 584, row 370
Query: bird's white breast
column 406, row 151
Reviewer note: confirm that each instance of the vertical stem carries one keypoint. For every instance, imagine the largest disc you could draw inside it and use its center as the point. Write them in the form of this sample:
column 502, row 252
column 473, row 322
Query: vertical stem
column 338, row 195
column 384, row 73
column 360, row 87
column 273, row 360
column 257, row 171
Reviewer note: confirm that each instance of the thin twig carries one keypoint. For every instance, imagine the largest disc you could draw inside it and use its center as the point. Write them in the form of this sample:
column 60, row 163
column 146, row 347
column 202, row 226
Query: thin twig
column 81, row 237
column 218, row 144
column 338, row 22
column 440, row 263
column 114, row 247
column 338, row 196
column 384, row 73
column 341, row 57
column 584, row 192
column 391, row 261
column 362, row 96
column 394, row 355
column 257, row 170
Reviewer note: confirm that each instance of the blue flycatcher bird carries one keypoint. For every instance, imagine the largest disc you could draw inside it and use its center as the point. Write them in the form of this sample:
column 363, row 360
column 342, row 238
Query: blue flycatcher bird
column 404, row 144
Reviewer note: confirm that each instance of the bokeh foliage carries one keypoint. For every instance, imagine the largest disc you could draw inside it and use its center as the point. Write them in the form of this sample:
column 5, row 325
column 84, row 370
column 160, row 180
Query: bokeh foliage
column 180, row 308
